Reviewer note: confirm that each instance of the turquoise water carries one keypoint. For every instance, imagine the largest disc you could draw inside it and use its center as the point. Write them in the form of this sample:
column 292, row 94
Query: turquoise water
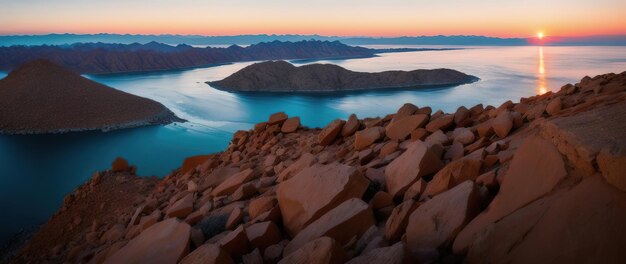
column 37, row 171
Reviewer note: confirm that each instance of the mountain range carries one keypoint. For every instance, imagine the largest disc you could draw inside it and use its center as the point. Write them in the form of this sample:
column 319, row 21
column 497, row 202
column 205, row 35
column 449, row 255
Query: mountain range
column 62, row 39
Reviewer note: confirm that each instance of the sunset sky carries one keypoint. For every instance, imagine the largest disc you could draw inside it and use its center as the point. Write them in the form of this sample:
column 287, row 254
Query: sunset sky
column 325, row 17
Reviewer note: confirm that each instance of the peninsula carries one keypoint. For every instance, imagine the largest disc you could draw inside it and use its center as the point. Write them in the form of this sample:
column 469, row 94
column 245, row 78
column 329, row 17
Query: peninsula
column 42, row 97
column 281, row 76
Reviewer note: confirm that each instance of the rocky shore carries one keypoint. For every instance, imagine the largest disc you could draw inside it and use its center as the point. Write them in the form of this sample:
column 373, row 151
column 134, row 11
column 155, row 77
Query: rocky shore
column 282, row 76
column 42, row 97
column 539, row 181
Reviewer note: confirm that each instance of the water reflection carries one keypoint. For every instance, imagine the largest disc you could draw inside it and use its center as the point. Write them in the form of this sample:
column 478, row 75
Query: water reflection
column 541, row 80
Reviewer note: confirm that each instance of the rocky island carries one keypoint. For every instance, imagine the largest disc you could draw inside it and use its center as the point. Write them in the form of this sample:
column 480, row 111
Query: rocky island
column 42, row 97
column 281, row 76
column 539, row 181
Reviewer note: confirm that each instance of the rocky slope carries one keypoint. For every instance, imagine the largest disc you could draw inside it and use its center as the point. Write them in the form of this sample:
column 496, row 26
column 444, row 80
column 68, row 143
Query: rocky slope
column 153, row 56
column 540, row 181
column 42, row 97
column 281, row 76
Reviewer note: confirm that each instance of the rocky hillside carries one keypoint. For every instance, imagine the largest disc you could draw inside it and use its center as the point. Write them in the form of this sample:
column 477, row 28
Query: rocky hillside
column 42, row 97
column 112, row 58
column 281, row 76
column 540, row 181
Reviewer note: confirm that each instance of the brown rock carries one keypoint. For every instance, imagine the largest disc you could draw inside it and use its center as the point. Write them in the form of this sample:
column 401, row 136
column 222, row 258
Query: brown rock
column 416, row 190
column 424, row 110
column 463, row 135
column 438, row 220
column 164, row 242
column 381, row 199
column 437, row 138
column 452, row 175
column 485, row 129
column 461, row 115
column 419, row 134
column 534, row 171
column 488, row 179
column 208, row 253
column 119, row 164
column 554, row 106
column 273, row 253
column 277, row 118
column 405, row 110
column 263, row 235
column 330, row 132
column 351, row 126
column 350, row 219
column 234, row 219
column 440, row 123
column 236, row 242
column 456, row 151
column 549, row 230
column 613, row 168
column 332, row 184
column 149, row 220
column 261, row 205
column 183, row 207
column 402, row 127
column 253, row 257
column 305, row 161
column 397, row 221
column 244, row 191
column 502, row 124
column 396, row 254
column 323, row 250
column 193, row 162
column 233, row 182
column 388, row 148
column 291, row 125
column 367, row 137
column 414, row 163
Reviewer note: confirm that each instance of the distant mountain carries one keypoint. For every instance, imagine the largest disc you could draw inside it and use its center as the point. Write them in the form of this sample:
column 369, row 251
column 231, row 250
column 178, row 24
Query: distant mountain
column 112, row 58
column 281, row 76
column 42, row 97
column 66, row 39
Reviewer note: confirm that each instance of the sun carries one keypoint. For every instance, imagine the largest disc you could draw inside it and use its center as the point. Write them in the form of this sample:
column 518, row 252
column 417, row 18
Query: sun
column 540, row 35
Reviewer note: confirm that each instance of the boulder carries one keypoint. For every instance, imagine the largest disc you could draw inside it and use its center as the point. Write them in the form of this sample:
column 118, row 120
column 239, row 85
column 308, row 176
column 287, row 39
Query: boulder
column 263, row 235
column 452, row 175
column 351, row 126
column 402, row 127
column 305, row 161
column 350, row 219
column 554, row 106
column 549, row 230
column 330, row 132
column 405, row 110
column 277, row 118
column 396, row 254
column 235, row 242
column 261, row 205
column 437, row 137
column 461, row 115
column 332, row 185
column 164, row 242
column 463, row 135
column 234, row 218
column 388, row 148
column 438, row 220
column 398, row 220
column 119, row 165
column 419, row 134
column 535, row 170
column 182, row 208
column 416, row 190
column 418, row 160
column 323, row 250
column 290, row 125
column 208, row 253
column 441, row 123
column 612, row 164
column 193, row 162
column 233, row 182
column 485, row 129
column 455, row 151
column 502, row 124
column 367, row 137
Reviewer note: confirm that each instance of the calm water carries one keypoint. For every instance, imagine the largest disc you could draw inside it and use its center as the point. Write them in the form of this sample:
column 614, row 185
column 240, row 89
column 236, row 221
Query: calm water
column 37, row 171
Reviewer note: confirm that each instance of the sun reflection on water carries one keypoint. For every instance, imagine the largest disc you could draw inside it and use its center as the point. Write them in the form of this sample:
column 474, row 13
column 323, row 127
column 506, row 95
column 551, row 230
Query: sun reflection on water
column 541, row 80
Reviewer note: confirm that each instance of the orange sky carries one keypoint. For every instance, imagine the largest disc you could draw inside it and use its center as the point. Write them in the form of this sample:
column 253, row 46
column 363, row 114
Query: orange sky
column 324, row 17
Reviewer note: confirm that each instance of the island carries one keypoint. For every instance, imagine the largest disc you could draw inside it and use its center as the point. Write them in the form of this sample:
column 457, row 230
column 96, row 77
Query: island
column 281, row 76
column 41, row 97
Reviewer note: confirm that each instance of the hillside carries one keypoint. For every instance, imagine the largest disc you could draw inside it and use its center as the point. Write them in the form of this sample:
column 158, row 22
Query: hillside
column 153, row 56
column 281, row 76
column 539, row 181
column 42, row 97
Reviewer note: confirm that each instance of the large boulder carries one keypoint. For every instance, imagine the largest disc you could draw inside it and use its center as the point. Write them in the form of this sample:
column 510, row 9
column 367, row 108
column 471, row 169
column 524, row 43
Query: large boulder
column 233, row 182
column 438, row 220
column 208, row 253
column 305, row 161
column 399, row 218
column 367, row 137
column 164, row 242
column 323, row 250
column 535, row 170
column 330, row 132
column 277, row 118
column 290, row 125
column 418, row 160
column 441, row 123
column 402, row 127
column 584, row 224
column 344, row 222
column 315, row 191
column 193, row 162
column 396, row 254
column 351, row 126
column 502, row 124
column 453, row 174
column 262, row 235
column 183, row 207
